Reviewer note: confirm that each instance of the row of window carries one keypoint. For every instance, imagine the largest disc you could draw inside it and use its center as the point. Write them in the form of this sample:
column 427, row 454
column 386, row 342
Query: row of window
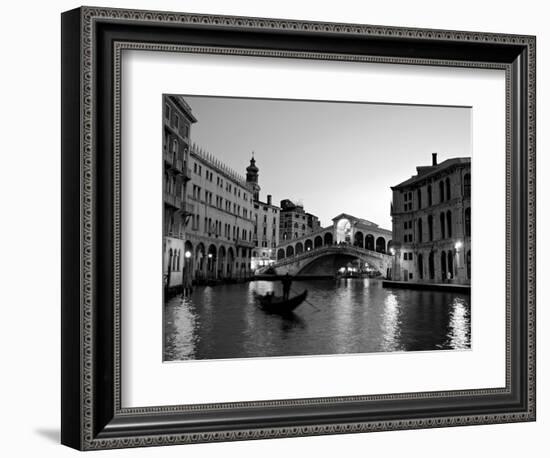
column 447, row 269
column 266, row 208
column 445, row 226
column 444, row 193
column 293, row 215
column 227, row 205
column 209, row 176
column 214, row 227
column 174, row 260
column 174, row 120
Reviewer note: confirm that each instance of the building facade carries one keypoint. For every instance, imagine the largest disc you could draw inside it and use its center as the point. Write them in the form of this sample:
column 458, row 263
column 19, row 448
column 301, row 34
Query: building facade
column 177, row 121
column 219, row 233
column 431, row 224
column 266, row 222
column 295, row 222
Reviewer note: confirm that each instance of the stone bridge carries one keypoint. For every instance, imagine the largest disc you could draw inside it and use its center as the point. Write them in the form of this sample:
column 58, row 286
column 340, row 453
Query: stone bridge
column 324, row 251
column 328, row 258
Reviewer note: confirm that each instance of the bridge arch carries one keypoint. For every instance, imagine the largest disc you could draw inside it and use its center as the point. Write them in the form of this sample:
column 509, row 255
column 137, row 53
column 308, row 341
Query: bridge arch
column 280, row 254
column 289, row 251
column 308, row 245
column 381, row 245
column 369, row 242
column 358, row 239
column 299, row 248
column 318, row 242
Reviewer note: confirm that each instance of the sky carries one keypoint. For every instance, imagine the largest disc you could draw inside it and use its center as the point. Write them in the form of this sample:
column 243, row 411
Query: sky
column 333, row 157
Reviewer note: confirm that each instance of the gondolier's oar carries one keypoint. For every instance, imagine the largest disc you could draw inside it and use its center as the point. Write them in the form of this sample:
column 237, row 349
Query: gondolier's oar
column 305, row 300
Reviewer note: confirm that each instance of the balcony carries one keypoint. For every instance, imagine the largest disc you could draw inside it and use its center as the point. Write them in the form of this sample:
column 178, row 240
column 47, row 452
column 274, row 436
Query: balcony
column 244, row 243
column 172, row 200
column 186, row 172
column 171, row 159
column 187, row 208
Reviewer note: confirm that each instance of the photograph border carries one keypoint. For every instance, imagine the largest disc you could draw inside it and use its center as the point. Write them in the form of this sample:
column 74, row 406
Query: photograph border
column 93, row 40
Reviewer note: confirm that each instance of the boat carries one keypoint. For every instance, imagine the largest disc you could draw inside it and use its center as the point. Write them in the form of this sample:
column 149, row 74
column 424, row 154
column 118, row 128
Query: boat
column 276, row 304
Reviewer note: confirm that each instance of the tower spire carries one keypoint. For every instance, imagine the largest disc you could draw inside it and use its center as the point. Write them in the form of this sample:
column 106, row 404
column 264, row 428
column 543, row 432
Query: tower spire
column 252, row 173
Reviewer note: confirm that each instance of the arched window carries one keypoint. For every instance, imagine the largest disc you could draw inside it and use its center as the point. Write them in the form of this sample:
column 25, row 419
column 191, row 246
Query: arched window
column 285, row 235
column 429, row 195
column 431, row 266
column 467, row 185
column 450, row 264
column 448, row 188
column 178, row 260
column 430, row 228
column 442, row 224
column 280, row 254
column 419, row 197
column 469, row 264
column 449, row 224
column 303, row 227
column 174, row 146
column 318, row 242
column 443, row 266
column 296, row 235
column 419, row 233
column 289, row 251
column 420, row 266
column 467, row 222
column 295, row 225
column 441, row 191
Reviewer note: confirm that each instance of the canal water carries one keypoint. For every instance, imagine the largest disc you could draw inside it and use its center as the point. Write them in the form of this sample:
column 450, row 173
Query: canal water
column 343, row 316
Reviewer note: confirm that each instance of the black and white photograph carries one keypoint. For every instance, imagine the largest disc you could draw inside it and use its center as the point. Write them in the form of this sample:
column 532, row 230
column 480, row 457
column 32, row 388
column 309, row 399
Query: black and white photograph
column 305, row 227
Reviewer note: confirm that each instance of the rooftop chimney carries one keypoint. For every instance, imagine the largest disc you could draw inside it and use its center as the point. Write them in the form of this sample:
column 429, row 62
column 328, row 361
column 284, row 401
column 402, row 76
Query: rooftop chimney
column 434, row 158
column 269, row 199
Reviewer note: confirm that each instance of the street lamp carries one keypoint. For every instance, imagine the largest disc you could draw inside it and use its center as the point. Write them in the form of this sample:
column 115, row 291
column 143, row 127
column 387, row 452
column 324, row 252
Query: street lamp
column 458, row 245
column 392, row 251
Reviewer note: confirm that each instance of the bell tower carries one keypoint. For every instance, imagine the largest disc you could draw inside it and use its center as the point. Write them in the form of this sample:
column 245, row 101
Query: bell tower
column 252, row 178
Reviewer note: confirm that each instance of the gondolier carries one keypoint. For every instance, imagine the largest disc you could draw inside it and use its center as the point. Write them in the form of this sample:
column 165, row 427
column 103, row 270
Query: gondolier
column 287, row 283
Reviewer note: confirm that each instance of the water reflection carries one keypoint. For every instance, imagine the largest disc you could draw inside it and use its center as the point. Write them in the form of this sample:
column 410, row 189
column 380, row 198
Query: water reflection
column 390, row 324
column 341, row 316
column 459, row 325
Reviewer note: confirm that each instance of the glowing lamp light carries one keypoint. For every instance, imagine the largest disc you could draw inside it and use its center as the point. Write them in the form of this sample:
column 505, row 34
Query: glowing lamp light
column 392, row 251
column 210, row 255
column 458, row 245
column 187, row 254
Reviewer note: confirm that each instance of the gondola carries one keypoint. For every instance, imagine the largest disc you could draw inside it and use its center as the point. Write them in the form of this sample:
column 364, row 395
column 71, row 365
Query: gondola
column 276, row 304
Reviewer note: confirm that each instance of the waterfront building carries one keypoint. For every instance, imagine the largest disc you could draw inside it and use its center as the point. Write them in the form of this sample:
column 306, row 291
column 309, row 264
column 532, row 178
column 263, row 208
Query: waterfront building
column 431, row 224
column 177, row 121
column 266, row 222
column 219, row 234
column 295, row 222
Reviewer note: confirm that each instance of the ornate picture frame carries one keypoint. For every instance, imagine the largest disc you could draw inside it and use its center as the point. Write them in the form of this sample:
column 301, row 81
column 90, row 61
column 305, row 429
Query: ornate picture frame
column 93, row 416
